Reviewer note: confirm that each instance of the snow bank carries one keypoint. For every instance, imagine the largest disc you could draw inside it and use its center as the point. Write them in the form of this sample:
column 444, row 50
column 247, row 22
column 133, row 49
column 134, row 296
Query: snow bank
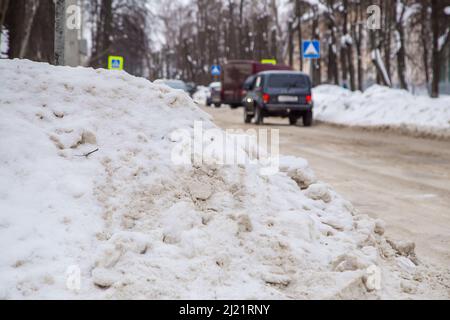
column 384, row 107
column 201, row 94
column 131, row 224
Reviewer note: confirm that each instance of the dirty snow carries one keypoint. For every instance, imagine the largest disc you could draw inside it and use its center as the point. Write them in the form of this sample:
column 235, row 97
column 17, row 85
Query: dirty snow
column 383, row 107
column 139, row 227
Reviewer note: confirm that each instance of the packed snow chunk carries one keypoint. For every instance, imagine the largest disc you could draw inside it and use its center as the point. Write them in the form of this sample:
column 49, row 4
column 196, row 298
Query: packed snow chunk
column 92, row 205
column 298, row 170
column 382, row 107
column 319, row 191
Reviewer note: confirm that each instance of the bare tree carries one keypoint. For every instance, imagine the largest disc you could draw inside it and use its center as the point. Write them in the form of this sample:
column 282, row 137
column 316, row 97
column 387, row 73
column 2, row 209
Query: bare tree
column 332, row 66
column 31, row 8
column 316, row 72
column 3, row 9
column 440, row 26
column 30, row 26
column 357, row 30
column 60, row 11
column 299, row 13
column 401, row 54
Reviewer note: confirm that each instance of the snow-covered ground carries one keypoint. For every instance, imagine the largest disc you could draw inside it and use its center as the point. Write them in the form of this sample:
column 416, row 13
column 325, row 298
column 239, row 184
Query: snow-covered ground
column 383, row 107
column 137, row 226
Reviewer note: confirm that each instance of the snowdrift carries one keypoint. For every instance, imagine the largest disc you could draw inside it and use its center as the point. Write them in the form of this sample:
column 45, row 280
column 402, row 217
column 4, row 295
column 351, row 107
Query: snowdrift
column 200, row 95
column 91, row 206
column 385, row 108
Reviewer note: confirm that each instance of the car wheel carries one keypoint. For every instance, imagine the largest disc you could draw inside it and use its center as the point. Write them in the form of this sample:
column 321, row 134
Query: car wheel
column 217, row 105
column 208, row 104
column 259, row 118
column 234, row 106
column 308, row 119
column 293, row 121
column 247, row 117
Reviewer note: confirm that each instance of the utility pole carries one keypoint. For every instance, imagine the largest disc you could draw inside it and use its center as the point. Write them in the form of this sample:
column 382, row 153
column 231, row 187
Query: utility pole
column 60, row 26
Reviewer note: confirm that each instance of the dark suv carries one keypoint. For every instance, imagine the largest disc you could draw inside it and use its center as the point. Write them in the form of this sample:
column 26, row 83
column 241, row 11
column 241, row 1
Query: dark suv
column 284, row 94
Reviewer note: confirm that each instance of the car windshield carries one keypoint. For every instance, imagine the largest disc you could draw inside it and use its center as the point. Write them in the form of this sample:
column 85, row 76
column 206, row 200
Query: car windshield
column 287, row 81
column 176, row 84
column 248, row 83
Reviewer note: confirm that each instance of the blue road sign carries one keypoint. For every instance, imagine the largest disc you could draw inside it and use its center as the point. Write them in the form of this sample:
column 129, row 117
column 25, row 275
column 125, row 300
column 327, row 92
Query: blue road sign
column 216, row 70
column 115, row 64
column 311, row 49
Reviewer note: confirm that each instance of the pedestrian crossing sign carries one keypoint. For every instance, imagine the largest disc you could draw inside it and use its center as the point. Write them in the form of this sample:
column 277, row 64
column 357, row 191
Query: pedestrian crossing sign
column 216, row 70
column 311, row 49
column 115, row 63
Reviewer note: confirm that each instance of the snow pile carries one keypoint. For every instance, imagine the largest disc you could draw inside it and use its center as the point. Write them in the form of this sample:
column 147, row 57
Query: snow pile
column 88, row 189
column 201, row 94
column 383, row 107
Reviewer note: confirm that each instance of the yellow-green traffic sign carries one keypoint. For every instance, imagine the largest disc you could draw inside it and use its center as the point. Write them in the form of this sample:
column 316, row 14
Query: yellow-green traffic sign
column 115, row 63
column 269, row 61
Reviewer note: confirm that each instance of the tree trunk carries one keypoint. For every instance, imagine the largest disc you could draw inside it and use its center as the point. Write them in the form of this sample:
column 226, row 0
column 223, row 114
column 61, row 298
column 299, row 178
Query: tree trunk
column 298, row 13
column 387, row 35
column 332, row 68
column 102, row 43
column 439, row 27
column 424, row 41
column 401, row 64
column 343, row 55
column 316, row 74
column 240, row 30
column 60, row 11
column 290, row 43
column 349, row 49
column 351, row 67
column 357, row 32
column 3, row 8
column 31, row 8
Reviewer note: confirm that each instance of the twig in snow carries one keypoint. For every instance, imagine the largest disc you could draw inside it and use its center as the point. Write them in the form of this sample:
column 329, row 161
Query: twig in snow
column 88, row 154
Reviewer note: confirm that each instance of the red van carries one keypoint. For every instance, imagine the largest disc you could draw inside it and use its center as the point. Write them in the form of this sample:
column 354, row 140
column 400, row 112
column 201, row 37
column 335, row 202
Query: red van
column 234, row 74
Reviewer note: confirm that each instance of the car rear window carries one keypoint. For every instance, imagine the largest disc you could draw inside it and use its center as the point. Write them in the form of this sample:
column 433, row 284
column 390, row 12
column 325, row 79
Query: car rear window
column 287, row 81
column 176, row 85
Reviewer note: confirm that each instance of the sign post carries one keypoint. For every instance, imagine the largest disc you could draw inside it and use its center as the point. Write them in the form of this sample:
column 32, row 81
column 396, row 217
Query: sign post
column 311, row 50
column 115, row 63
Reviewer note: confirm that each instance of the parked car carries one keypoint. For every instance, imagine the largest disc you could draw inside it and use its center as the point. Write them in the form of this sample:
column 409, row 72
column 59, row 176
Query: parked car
column 214, row 96
column 235, row 73
column 284, row 94
column 191, row 88
column 174, row 84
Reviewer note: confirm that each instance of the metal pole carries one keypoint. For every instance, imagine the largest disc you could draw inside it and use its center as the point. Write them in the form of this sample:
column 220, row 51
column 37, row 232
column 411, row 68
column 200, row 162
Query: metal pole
column 60, row 21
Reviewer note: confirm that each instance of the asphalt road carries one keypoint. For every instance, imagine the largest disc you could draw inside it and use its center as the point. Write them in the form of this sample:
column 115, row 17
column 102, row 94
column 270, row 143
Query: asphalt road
column 403, row 180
